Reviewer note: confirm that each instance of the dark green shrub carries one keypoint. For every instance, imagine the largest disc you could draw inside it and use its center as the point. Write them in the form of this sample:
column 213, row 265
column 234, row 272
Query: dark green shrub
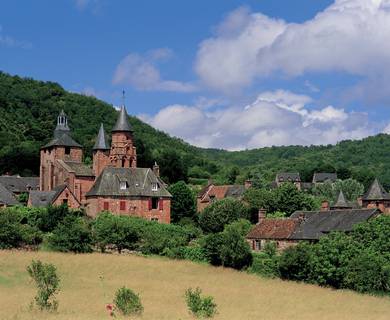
column 200, row 307
column 194, row 253
column 47, row 281
column 10, row 229
column 128, row 302
column 368, row 272
column 72, row 234
column 294, row 262
column 183, row 203
column 265, row 265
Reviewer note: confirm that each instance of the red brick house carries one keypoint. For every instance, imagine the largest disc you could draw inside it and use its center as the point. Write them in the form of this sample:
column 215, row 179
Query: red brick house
column 113, row 182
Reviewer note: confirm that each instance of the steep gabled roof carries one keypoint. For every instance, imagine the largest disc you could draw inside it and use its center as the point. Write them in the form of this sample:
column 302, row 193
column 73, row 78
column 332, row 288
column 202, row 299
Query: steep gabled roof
column 6, row 197
column 122, row 123
column 221, row 192
column 324, row 176
column 315, row 224
column 276, row 229
column 63, row 141
column 376, row 192
column 101, row 140
column 45, row 198
column 139, row 183
column 341, row 202
column 80, row 169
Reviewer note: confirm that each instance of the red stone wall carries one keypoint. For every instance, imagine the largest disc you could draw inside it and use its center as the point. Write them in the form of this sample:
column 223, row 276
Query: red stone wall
column 200, row 206
column 133, row 207
column 81, row 186
column 101, row 159
column 71, row 200
column 383, row 206
column 280, row 244
column 123, row 152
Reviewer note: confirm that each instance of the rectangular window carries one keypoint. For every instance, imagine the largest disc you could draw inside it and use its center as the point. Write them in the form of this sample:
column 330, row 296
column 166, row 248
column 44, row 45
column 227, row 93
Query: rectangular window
column 161, row 204
column 257, row 245
column 154, row 203
column 106, row 205
column 67, row 150
column 122, row 205
column 65, row 202
column 154, row 219
column 154, row 186
column 123, row 185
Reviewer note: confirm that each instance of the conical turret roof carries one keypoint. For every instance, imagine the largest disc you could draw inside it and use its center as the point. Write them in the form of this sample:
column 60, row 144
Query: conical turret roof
column 122, row 123
column 341, row 202
column 376, row 192
column 101, row 141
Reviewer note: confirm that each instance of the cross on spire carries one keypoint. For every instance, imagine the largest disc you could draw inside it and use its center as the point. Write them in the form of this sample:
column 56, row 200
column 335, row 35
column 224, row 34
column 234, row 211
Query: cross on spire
column 123, row 97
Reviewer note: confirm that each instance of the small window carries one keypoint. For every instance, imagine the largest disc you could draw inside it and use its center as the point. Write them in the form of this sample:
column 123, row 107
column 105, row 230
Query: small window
column 65, row 202
column 154, row 203
column 67, row 150
column 154, row 186
column 123, row 185
column 106, row 205
column 257, row 245
column 122, row 205
column 154, row 219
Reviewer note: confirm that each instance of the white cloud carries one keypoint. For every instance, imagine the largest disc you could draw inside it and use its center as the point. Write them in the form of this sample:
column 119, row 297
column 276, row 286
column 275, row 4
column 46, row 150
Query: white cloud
column 387, row 129
column 141, row 72
column 274, row 118
column 10, row 42
column 350, row 36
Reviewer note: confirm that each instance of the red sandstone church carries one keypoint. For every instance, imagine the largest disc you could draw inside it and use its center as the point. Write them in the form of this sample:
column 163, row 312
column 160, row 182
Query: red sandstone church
column 114, row 182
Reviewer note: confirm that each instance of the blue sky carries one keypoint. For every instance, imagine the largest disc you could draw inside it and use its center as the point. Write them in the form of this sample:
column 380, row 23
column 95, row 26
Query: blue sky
column 226, row 74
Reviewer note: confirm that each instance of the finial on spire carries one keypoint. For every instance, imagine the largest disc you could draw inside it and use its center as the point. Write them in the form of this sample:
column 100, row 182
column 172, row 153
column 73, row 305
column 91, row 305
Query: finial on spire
column 123, row 97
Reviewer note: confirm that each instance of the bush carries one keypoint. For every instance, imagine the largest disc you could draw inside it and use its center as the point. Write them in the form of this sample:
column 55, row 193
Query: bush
column 183, row 203
column 220, row 213
column 72, row 234
column 200, row 306
column 294, row 262
column 47, row 282
column 265, row 265
column 128, row 302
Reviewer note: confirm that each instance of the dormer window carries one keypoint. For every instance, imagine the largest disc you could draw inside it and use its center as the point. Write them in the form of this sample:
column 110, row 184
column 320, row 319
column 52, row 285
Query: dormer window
column 123, row 185
column 154, row 186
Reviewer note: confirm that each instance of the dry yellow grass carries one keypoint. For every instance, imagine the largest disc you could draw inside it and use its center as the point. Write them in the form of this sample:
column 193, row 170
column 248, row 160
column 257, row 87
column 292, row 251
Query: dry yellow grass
column 161, row 284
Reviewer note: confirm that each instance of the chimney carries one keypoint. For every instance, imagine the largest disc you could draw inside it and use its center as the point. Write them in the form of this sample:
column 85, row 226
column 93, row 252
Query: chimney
column 325, row 206
column 301, row 217
column 156, row 169
column 261, row 215
column 248, row 184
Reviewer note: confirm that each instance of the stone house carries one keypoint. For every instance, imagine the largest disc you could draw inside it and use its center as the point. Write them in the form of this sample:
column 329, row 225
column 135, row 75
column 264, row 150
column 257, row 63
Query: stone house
column 7, row 198
column 113, row 182
column 322, row 177
column 283, row 177
column 212, row 192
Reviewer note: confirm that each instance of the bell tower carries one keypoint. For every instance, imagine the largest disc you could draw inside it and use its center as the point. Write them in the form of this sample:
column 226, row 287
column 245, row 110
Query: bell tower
column 123, row 152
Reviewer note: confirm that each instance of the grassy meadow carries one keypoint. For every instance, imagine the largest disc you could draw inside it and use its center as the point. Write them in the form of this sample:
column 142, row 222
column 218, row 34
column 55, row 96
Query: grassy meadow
column 89, row 281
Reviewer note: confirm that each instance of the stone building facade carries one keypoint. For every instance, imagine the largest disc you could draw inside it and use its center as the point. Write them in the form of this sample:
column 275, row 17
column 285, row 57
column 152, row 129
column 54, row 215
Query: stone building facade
column 113, row 182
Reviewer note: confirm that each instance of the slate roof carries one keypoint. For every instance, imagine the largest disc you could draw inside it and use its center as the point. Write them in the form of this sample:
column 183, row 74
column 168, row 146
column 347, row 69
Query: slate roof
column 101, row 141
column 122, row 123
column 45, row 198
column 16, row 184
column 288, row 176
column 318, row 223
column 139, row 183
column 306, row 185
column 6, row 197
column 341, row 202
column 277, row 229
column 376, row 192
column 324, row 176
column 63, row 141
column 79, row 168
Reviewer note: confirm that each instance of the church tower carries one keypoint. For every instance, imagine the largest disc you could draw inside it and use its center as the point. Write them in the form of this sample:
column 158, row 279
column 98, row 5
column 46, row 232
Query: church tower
column 101, row 152
column 61, row 147
column 123, row 153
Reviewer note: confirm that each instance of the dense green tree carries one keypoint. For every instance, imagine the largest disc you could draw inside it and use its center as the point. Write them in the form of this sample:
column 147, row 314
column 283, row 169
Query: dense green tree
column 351, row 188
column 183, row 203
column 233, row 174
column 172, row 166
column 220, row 213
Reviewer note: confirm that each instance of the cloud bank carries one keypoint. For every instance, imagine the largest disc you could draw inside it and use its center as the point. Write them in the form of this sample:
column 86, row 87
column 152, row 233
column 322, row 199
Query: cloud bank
column 350, row 36
column 274, row 118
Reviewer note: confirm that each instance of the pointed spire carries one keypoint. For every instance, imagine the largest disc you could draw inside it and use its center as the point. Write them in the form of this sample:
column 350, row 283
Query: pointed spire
column 376, row 192
column 101, row 141
column 341, row 202
column 122, row 123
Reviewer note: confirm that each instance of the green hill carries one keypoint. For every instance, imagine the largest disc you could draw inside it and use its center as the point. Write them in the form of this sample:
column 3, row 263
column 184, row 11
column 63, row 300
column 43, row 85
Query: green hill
column 28, row 110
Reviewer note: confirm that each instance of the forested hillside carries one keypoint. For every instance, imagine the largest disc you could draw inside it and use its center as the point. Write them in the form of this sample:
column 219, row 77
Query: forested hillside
column 28, row 111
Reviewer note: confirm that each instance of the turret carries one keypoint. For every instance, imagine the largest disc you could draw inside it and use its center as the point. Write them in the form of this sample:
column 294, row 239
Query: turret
column 123, row 152
column 100, row 152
